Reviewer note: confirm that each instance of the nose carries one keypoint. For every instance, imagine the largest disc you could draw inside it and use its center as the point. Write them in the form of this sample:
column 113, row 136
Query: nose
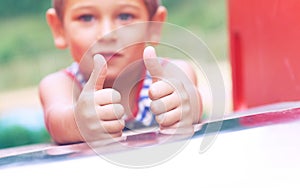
column 106, row 31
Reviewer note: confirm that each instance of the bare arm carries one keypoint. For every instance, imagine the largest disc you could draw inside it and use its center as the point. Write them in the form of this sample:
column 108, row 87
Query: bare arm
column 72, row 115
column 57, row 92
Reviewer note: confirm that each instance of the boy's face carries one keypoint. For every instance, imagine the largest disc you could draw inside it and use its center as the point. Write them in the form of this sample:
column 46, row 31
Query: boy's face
column 97, row 23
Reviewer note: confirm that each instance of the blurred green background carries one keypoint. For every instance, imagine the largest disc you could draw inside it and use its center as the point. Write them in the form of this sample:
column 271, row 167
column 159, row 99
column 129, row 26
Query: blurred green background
column 27, row 52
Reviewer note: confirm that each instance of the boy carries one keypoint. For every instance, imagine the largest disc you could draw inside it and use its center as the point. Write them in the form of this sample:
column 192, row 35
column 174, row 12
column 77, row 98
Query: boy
column 106, row 39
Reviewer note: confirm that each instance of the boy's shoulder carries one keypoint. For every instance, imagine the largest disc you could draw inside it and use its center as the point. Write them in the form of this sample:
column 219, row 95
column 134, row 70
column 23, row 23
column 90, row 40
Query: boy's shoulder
column 179, row 63
column 55, row 79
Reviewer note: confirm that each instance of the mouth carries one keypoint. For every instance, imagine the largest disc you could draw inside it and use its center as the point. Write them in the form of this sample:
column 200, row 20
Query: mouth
column 110, row 55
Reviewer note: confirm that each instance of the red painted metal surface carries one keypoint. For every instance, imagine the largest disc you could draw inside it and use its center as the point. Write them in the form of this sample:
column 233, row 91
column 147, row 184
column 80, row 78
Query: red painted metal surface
column 264, row 51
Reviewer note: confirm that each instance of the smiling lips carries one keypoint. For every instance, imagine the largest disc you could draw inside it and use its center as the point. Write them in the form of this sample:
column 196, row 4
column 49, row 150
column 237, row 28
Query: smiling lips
column 110, row 55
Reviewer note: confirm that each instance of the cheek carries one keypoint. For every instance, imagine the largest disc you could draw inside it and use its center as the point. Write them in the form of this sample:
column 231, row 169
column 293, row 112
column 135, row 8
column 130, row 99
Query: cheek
column 80, row 50
column 77, row 51
column 79, row 44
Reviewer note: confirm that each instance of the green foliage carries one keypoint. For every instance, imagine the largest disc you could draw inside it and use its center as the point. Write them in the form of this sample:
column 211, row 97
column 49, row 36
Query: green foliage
column 205, row 18
column 16, row 135
column 171, row 3
column 12, row 8
column 27, row 52
column 24, row 36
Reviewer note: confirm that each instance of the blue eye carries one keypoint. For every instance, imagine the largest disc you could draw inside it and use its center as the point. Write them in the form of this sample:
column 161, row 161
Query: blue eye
column 86, row 18
column 125, row 17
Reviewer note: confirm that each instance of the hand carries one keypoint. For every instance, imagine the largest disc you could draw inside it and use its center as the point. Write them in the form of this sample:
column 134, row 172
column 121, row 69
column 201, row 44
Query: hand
column 170, row 100
column 98, row 111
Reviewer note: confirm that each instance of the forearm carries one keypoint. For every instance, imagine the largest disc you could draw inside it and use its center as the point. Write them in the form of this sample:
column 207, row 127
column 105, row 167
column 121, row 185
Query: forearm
column 62, row 125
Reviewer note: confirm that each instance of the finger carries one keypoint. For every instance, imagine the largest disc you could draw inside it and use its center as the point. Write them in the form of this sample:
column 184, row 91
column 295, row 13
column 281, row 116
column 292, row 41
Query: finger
column 169, row 118
column 107, row 96
column 160, row 89
column 184, row 126
column 165, row 104
column 178, row 114
column 98, row 75
column 113, row 127
column 152, row 64
column 110, row 112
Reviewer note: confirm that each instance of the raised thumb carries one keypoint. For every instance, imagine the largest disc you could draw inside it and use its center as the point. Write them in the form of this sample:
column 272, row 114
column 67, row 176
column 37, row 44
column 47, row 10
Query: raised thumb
column 152, row 64
column 98, row 75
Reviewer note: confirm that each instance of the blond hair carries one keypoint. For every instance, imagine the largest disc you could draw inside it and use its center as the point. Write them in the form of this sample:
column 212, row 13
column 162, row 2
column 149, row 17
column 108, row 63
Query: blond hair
column 151, row 5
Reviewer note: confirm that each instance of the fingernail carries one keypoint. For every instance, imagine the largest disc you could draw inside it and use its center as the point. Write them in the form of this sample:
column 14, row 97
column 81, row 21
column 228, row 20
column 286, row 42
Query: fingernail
column 99, row 58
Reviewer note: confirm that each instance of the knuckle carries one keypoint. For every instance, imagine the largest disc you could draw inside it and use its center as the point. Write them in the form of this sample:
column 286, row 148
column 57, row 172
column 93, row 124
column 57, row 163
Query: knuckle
column 157, row 107
column 185, row 98
column 118, row 110
column 186, row 109
column 160, row 119
column 116, row 126
column 111, row 112
column 115, row 95
column 153, row 91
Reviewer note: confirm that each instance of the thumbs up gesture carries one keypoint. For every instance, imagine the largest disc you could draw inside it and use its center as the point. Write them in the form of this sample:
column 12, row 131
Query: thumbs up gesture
column 171, row 102
column 98, row 111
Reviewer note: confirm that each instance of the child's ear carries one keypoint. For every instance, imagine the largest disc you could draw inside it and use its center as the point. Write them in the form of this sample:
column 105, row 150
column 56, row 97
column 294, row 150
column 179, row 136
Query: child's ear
column 57, row 29
column 156, row 27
